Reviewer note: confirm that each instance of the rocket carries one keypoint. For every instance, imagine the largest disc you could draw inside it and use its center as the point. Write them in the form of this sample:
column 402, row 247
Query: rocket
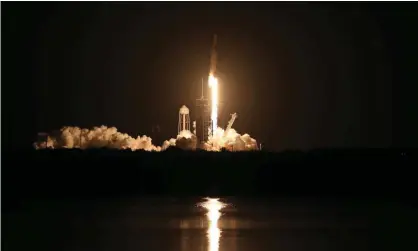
column 213, row 56
column 215, row 39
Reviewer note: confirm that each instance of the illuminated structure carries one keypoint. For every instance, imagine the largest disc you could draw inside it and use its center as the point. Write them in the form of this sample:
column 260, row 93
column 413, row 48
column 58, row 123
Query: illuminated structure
column 194, row 127
column 208, row 115
column 184, row 119
column 203, row 117
column 213, row 84
column 230, row 123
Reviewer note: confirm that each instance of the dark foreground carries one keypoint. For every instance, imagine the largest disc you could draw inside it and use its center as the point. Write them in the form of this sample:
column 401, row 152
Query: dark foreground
column 110, row 173
column 112, row 200
column 173, row 224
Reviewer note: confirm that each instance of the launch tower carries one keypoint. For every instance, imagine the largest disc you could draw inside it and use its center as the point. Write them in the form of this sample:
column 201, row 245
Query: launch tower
column 208, row 108
column 203, row 120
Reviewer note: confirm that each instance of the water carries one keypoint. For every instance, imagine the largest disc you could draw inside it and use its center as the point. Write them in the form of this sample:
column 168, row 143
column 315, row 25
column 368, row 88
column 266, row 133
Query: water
column 180, row 225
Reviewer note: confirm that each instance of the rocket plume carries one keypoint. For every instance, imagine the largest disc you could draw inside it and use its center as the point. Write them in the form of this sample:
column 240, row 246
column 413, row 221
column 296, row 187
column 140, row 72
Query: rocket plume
column 213, row 84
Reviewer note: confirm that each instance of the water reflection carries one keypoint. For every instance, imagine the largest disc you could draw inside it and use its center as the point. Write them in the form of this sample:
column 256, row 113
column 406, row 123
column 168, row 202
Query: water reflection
column 213, row 207
column 246, row 226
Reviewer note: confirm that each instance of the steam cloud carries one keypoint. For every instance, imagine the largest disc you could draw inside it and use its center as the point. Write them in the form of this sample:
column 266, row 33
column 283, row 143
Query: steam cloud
column 185, row 140
column 98, row 137
column 231, row 141
column 109, row 137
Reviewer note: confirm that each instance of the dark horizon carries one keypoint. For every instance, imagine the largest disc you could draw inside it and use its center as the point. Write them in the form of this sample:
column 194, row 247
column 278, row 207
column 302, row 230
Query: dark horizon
column 299, row 75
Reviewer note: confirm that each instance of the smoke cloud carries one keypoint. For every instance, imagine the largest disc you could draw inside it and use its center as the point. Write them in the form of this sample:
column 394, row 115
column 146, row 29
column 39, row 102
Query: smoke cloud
column 231, row 141
column 185, row 140
column 109, row 137
column 98, row 137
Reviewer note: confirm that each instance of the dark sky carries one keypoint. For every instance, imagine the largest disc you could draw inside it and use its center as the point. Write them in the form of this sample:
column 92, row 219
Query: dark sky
column 299, row 75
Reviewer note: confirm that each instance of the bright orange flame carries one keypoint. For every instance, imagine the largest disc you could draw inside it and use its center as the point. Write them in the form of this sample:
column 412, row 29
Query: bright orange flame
column 213, row 84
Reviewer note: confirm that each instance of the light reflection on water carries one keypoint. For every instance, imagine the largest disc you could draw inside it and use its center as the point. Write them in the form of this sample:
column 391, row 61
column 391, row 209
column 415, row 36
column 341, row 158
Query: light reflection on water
column 226, row 226
column 213, row 206
column 209, row 220
column 180, row 225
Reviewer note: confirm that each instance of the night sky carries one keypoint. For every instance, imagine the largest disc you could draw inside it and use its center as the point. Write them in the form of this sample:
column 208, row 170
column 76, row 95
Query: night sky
column 299, row 75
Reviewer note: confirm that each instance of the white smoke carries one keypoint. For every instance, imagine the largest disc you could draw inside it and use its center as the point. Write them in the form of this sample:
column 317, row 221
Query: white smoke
column 98, row 137
column 185, row 140
column 109, row 137
column 230, row 140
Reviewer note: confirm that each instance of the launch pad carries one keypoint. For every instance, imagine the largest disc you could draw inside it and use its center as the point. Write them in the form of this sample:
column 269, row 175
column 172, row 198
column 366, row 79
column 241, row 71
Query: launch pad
column 206, row 134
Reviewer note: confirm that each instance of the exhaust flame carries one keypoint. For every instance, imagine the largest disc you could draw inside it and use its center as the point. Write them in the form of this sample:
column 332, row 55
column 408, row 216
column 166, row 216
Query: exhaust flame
column 213, row 84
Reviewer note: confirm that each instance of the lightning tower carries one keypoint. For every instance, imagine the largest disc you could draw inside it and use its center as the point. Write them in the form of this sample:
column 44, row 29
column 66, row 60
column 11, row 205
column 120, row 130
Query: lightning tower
column 184, row 119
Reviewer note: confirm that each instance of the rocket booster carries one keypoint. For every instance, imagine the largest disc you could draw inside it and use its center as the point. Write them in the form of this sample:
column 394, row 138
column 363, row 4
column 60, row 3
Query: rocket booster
column 213, row 56
column 215, row 39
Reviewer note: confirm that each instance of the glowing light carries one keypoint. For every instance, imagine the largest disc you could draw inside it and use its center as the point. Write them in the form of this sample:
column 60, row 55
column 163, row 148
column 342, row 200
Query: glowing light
column 214, row 232
column 213, row 84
